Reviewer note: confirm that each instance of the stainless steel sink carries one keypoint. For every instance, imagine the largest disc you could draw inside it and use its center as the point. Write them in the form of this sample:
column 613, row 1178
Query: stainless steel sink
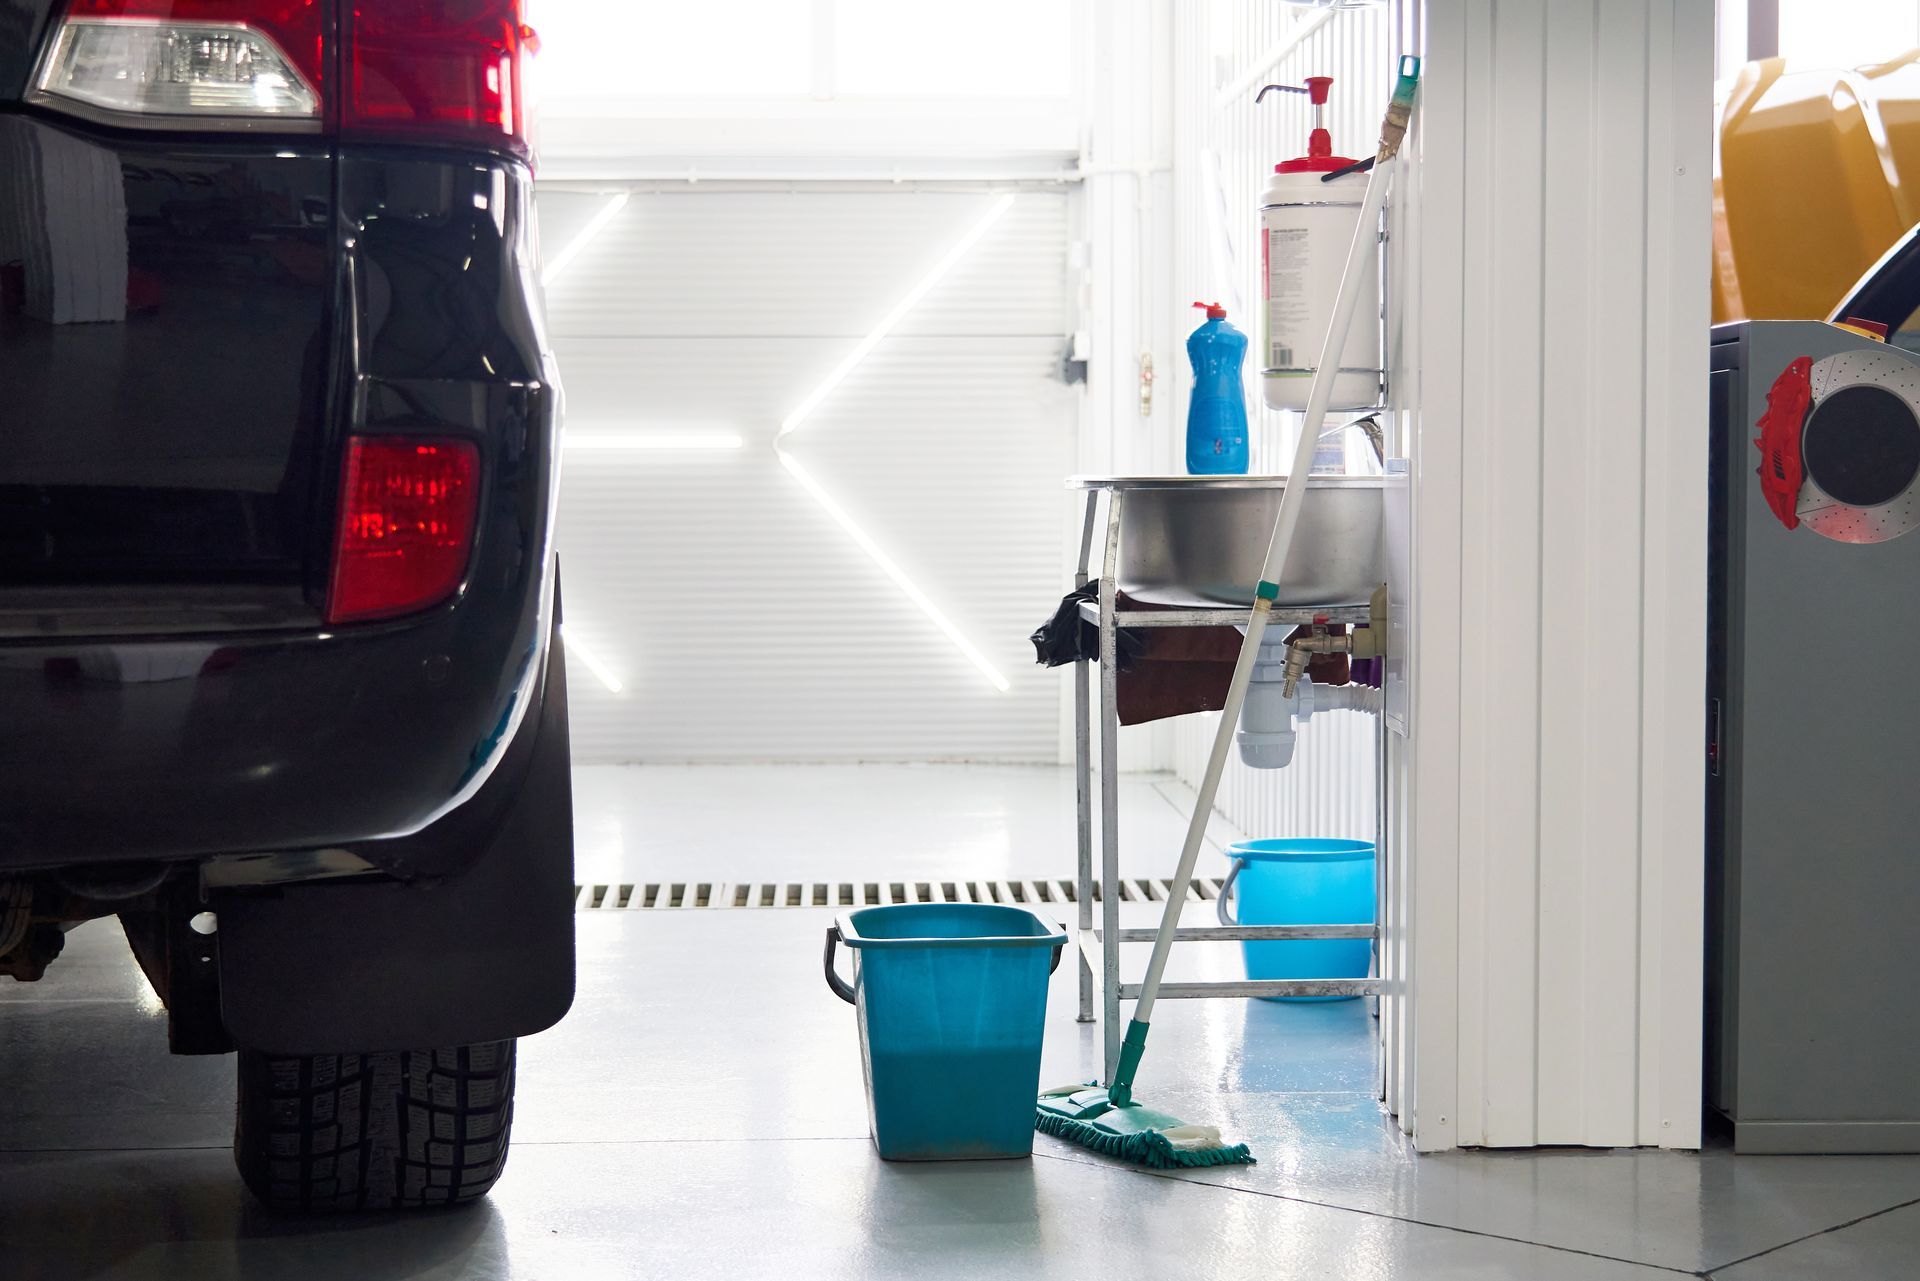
column 1199, row 540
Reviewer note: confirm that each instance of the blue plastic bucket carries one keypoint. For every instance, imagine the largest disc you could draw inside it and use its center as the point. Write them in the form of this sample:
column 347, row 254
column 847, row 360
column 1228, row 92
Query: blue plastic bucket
column 1303, row 882
column 952, row 1004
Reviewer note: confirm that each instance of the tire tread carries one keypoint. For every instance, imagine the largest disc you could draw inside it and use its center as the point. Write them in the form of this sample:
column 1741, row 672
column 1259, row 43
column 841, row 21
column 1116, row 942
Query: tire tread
column 405, row 1129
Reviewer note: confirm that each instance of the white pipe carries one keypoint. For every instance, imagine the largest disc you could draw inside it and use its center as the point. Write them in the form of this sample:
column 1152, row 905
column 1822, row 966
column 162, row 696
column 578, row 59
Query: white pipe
column 1365, row 241
column 1349, row 698
column 1270, row 721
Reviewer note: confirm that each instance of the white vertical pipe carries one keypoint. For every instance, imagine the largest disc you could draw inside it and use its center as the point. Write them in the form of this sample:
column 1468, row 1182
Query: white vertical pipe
column 1674, row 529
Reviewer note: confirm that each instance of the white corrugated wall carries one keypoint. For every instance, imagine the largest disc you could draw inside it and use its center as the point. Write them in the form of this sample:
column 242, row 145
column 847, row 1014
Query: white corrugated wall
column 1224, row 152
column 1552, row 788
column 1543, row 918
column 742, row 620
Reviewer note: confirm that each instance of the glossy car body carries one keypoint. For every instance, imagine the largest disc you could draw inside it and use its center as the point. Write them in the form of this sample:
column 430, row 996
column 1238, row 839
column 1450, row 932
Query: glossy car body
column 192, row 324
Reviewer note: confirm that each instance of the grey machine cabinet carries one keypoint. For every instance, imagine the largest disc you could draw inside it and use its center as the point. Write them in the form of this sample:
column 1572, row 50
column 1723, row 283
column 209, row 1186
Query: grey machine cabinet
column 1813, row 759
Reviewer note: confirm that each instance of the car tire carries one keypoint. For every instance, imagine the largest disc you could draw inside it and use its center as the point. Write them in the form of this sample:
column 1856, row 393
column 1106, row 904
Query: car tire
column 407, row 1129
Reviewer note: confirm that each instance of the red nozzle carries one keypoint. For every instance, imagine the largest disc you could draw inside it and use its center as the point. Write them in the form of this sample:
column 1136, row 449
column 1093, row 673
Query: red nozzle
column 1213, row 309
column 1319, row 157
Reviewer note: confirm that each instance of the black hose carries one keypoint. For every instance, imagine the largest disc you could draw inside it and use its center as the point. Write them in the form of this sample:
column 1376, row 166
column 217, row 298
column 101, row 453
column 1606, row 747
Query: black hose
column 1358, row 166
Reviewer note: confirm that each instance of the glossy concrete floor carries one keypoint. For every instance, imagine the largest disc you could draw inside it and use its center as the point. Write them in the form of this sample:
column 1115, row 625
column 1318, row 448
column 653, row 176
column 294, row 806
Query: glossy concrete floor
column 700, row 1113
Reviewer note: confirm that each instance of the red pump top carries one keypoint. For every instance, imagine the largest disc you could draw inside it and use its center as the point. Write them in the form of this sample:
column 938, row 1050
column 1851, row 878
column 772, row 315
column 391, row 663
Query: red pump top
column 1213, row 309
column 1319, row 157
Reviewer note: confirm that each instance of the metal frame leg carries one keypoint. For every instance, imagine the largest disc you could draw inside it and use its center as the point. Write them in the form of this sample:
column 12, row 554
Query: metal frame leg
column 1110, row 792
column 1107, row 783
column 1379, row 846
column 1083, row 775
column 1382, row 851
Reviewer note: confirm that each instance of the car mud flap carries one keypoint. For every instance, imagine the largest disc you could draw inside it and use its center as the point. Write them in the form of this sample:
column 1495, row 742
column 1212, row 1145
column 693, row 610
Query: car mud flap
column 367, row 965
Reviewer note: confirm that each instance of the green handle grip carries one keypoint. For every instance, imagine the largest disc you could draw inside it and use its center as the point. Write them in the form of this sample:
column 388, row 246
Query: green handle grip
column 1120, row 1092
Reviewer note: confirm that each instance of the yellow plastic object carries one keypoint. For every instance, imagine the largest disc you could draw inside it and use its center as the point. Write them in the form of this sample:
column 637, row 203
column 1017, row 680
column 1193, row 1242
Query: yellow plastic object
column 1816, row 174
column 1860, row 331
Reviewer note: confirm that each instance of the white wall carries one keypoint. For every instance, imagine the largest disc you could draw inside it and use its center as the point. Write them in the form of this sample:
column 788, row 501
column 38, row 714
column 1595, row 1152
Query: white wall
column 1551, row 788
column 1125, row 241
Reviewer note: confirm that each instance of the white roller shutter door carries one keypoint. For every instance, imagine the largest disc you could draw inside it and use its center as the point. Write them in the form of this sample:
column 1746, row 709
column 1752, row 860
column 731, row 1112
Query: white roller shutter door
column 743, row 621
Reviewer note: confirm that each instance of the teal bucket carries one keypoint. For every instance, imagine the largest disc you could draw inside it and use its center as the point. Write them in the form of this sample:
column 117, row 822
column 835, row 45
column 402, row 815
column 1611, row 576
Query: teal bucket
column 1303, row 882
column 952, row 1006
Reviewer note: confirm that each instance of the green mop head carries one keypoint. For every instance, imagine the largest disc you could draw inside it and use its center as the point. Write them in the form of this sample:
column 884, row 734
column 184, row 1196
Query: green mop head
column 1133, row 1133
column 1109, row 1121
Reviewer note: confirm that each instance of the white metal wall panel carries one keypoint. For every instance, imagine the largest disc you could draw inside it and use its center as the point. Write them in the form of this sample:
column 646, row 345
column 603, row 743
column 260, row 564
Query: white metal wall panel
column 1553, row 775
column 744, row 622
column 1224, row 153
column 1327, row 791
column 1435, row 993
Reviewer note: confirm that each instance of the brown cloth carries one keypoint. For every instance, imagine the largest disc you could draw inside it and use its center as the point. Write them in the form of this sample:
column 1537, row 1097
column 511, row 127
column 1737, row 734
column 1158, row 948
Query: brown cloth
column 1181, row 670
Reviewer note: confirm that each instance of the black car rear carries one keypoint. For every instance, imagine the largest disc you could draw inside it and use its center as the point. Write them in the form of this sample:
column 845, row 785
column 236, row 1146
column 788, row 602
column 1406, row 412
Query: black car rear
column 278, row 616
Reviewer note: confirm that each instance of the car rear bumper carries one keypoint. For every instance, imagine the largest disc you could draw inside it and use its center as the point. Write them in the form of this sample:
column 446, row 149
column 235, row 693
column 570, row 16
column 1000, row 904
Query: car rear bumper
column 256, row 743
column 376, row 963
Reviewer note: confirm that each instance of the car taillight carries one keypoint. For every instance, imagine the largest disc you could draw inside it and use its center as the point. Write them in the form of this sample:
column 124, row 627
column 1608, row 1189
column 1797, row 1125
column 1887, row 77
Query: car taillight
column 410, row 70
column 407, row 508
column 208, row 61
column 434, row 68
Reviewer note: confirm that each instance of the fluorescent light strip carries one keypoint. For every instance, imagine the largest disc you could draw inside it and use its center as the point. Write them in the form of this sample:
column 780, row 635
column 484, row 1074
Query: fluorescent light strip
column 891, row 568
column 639, row 441
column 595, row 225
column 865, row 346
column 577, row 649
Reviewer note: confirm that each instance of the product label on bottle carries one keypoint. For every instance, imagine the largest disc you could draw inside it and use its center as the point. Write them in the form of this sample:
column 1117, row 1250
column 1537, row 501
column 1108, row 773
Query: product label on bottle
column 1287, row 254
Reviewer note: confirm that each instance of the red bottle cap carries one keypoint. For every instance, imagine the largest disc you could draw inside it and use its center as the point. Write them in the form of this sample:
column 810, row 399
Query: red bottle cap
column 1319, row 157
column 1213, row 309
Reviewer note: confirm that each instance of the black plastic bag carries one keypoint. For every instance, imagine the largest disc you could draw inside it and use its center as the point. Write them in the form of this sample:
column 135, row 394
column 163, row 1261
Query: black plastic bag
column 1067, row 638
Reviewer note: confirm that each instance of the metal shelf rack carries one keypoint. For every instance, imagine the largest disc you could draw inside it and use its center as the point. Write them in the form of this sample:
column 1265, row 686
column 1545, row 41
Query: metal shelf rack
column 1099, row 946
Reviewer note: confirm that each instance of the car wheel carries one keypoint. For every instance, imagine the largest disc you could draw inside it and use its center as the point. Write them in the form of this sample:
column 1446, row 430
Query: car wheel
column 401, row 1130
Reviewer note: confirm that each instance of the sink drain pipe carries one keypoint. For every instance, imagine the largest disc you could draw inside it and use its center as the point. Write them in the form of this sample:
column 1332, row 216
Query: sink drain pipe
column 1273, row 716
column 1280, row 694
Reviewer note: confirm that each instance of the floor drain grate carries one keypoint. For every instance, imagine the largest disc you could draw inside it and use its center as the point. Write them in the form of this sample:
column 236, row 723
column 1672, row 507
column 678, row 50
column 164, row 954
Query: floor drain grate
column 627, row 896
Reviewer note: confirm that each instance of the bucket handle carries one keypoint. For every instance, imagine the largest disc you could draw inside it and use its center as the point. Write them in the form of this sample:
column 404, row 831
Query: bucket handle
column 841, row 988
column 1226, row 888
column 844, row 990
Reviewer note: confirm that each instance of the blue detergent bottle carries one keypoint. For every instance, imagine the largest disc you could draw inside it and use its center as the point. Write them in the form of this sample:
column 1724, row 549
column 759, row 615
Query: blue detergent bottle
column 1217, row 414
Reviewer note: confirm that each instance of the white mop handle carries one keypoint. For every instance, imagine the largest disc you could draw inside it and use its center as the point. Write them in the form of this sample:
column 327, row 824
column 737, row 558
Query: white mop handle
column 1366, row 239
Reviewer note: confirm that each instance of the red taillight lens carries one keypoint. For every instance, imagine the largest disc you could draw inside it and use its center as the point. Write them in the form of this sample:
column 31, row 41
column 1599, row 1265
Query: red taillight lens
column 406, row 525
column 435, row 68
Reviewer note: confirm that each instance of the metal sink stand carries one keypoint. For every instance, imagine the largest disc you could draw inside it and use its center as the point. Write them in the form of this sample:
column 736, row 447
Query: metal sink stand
column 1099, row 948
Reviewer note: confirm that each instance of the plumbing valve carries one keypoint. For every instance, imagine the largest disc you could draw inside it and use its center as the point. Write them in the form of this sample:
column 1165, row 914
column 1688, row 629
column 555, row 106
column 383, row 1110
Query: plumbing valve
column 1297, row 658
column 1282, row 697
column 1371, row 643
column 1301, row 650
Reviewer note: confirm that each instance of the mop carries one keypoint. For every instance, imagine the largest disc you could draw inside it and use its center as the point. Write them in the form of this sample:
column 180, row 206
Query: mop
column 1108, row 1120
